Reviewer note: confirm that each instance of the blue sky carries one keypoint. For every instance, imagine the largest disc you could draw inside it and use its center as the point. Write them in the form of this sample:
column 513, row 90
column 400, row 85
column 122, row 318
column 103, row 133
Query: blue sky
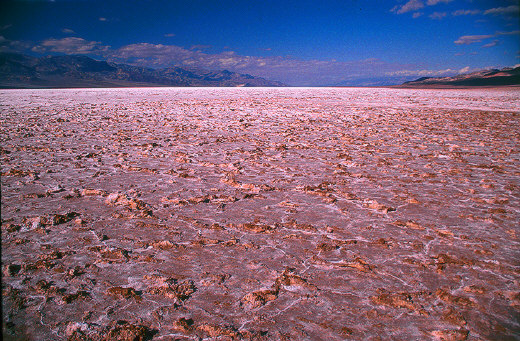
column 307, row 43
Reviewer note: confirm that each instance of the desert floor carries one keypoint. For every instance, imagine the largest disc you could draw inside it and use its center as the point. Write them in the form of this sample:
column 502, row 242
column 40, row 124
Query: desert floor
column 266, row 214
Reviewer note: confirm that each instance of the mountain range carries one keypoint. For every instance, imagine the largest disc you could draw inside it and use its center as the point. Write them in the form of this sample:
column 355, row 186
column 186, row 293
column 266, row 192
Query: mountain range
column 73, row 71
column 490, row 78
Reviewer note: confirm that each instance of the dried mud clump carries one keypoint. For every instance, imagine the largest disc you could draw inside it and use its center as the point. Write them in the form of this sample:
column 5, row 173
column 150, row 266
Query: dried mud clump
column 179, row 292
column 124, row 331
column 132, row 204
column 215, row 331
column 111, row 254
column 124, row 293
column 218, row 332
column 288, row 280
column 454, row 317
column 16, row 296
column 12, row 269
column 184, row 324
column 451, row 335
column 253, row 227
column 58, row 219
column 398, row 300
column 117, row 331
column 81, row 294
column 359, row 264
column 445, row 295
column 259, row 298
column 91, row 192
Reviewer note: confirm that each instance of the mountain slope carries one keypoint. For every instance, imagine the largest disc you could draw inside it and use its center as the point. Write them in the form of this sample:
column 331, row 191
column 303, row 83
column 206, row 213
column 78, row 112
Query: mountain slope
column 494, row 77
column 21, row 71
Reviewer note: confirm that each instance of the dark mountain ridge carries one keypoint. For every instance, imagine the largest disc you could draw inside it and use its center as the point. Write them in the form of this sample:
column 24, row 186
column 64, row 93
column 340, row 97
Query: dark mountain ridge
column 490, row 78
column 22, row 71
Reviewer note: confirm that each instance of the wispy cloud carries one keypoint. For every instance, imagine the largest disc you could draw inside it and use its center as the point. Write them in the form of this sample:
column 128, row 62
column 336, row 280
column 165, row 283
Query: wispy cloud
column 103, row 19
column 428, row 73
column 71, row 45
column 288, row 70
column 466, row 40
column 200, row 47
column 414, row 5
column 435, row 2
column 510, row 33
column 437, row 15
column 493, row 43
column 411, row 5
column 465, row 70
column 169, row 35
column 68, row 31
column 466, row 12
column 16, row 46
column 513, row 9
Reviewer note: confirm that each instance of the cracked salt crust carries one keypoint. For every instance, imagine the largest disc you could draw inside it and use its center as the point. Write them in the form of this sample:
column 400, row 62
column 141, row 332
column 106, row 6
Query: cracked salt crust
column 260, row 213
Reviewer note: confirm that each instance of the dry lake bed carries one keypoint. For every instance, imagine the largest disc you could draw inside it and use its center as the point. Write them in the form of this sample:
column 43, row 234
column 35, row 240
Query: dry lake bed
column 260, row 214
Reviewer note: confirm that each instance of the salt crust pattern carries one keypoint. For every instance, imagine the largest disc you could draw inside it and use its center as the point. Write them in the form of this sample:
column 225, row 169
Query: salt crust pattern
column 261, row 214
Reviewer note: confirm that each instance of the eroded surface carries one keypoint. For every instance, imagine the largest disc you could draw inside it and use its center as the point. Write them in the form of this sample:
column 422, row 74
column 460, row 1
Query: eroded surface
column 268, row 214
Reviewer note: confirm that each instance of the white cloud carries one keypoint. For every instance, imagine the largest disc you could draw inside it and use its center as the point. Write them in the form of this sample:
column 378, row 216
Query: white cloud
column 466, row 40
column 430, row 73
column 200, row 47
column 493, row 43
column 102, row 19
column 154, row 54
column 423, row 73
column 508, row 33
column 411, row 5
column 71, row 45
column 288, row 70
column 16, row 46
column 513, row 9
column 466, row 12
column 68, row 30
column 437, row 15
column 435, row 2
column 464, row 70
column 415, row 5
column 169, row 35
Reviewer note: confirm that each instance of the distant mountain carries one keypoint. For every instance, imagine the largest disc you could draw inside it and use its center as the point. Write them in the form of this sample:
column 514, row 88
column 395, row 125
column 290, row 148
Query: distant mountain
column 494, row 77
column 370, row 81
column 22, row 71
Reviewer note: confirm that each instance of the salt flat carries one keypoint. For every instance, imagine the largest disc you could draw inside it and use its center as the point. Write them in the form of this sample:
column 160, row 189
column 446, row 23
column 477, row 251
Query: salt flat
column 260, row 213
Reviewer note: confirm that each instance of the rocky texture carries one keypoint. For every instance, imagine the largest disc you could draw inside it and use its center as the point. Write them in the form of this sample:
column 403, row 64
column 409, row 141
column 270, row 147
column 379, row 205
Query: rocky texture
column 21, row 71
column 260, row 214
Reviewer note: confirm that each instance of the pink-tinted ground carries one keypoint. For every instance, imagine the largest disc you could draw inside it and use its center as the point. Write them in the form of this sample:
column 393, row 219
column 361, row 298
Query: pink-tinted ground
column 268, row 214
